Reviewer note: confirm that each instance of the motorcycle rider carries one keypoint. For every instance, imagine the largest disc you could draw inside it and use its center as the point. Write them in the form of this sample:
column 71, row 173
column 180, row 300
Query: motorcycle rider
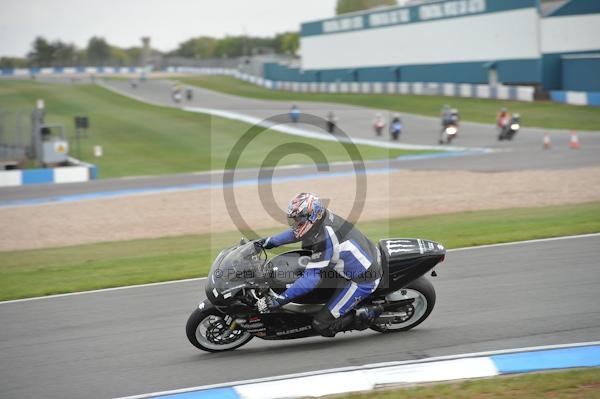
column 502, row 118
column 445, row 116
column 396, row 127
column 176, row 93
column 450, row 116
column 294, row 113
column 454, row 116
column 338, row 248
column 378, row 124
column 331, row 122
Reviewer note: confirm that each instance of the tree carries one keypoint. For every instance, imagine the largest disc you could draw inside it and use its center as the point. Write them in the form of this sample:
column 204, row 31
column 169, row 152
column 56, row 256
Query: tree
column 237, row 46
column 135, row 55
column 98, row 51
column 230, row 47
column 57, row 53
column 42, row 53
column 12, row 62
column 119, row 57
column 287, row 43
column 64, row 54
column 345, row 6
column 205, row 47
column 198, row 47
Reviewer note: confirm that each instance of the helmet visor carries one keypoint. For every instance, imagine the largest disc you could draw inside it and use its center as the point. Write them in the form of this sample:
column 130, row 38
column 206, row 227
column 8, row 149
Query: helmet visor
column 296, row 221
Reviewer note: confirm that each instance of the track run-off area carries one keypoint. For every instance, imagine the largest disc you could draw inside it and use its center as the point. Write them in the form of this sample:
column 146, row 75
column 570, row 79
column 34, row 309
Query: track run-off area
column 131, row 340
column 504, row 175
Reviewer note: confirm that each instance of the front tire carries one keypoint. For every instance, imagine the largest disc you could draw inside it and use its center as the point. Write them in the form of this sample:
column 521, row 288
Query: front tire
column 410, row 316
column 206, row 330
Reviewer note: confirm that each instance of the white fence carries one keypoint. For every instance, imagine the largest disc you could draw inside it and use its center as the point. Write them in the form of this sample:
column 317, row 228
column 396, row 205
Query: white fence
column 519, row 93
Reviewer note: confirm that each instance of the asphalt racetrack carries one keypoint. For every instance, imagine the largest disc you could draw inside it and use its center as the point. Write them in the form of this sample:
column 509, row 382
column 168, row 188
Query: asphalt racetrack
column 132, row 340
column 524, row 153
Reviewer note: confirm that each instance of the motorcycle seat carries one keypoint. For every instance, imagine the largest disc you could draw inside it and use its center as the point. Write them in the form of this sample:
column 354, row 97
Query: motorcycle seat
column 305, row 308
column 399, row 255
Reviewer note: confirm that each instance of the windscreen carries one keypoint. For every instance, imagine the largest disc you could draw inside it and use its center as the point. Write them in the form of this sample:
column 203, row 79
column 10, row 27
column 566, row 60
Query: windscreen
column 235, row 266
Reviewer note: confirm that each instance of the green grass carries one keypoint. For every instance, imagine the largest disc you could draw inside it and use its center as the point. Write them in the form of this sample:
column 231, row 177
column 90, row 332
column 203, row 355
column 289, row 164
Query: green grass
column 570, row 384
column 543, row 114
column 85, row 267
column 142, row 139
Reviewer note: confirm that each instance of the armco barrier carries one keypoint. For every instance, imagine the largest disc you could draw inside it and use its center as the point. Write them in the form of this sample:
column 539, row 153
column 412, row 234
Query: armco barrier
column 21, row 72
column 519, row 93
column 363, row 378
column 576, row 97
column 80, row 172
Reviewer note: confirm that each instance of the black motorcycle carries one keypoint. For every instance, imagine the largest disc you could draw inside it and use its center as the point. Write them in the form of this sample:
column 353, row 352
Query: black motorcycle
column 508, row 131
column 240, row 276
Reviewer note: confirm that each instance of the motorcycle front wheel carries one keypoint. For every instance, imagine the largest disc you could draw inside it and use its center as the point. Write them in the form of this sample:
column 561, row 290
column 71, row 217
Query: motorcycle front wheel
column 423, row 294
column 206, row 329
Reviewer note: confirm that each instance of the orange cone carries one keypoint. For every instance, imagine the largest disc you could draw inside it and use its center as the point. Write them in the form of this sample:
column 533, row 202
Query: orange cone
column 574, row 144
column 547, row 142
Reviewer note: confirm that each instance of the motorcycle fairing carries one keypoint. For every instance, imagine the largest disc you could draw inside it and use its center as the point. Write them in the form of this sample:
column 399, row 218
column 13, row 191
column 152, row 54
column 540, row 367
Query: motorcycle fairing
column 405, row 259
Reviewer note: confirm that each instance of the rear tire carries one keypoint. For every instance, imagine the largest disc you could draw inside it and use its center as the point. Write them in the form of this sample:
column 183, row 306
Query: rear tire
column 203, row 327
column 422, row 290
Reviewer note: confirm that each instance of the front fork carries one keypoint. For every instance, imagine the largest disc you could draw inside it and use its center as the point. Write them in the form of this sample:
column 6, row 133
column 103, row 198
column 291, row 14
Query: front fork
column 231, row 323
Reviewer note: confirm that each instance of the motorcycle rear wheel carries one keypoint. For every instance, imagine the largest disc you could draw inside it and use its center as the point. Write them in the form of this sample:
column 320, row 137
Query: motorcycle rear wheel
column 206, row 330
column 423, row 293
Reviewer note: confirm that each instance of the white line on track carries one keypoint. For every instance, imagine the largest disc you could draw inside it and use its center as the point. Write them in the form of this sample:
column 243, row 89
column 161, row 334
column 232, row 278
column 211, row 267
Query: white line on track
column 103, row 290
column 133, row 96
column 252, row 120
column 503, row 244
column 203, row 278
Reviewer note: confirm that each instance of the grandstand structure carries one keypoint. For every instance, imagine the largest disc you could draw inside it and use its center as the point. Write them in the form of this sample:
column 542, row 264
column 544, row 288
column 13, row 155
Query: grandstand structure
column 499, row 49
column 477, row 42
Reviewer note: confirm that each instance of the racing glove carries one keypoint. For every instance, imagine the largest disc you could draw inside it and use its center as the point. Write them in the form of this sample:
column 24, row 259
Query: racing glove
column 260, row 244
column 269, row 303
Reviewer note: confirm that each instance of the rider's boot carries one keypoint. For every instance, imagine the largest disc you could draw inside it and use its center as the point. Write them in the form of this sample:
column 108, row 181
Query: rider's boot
column 358, row 319
column 369, row 312
column 365, row 315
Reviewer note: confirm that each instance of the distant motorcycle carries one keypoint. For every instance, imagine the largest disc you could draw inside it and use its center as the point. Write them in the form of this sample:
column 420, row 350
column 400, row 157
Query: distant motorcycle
column 240, row 276
column 449, row 133
column 510, row 128
column 378, row 127
column 396, row 128
column 177, row 97
column 331, row 122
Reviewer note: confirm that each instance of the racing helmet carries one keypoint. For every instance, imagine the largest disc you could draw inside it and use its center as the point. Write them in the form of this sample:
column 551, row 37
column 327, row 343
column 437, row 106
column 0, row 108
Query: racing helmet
column 304, row 210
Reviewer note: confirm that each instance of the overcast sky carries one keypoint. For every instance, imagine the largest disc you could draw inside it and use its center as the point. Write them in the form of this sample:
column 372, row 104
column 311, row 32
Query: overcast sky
column 167, row 22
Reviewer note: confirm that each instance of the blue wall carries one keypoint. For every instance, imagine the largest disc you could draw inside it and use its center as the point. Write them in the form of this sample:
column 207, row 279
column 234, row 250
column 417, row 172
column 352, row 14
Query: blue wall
column 280, row 72
column 577, row 7
column 509, row 72
column 581, row 74
column 552, row 63
column 552, row 75
column 520, row 71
